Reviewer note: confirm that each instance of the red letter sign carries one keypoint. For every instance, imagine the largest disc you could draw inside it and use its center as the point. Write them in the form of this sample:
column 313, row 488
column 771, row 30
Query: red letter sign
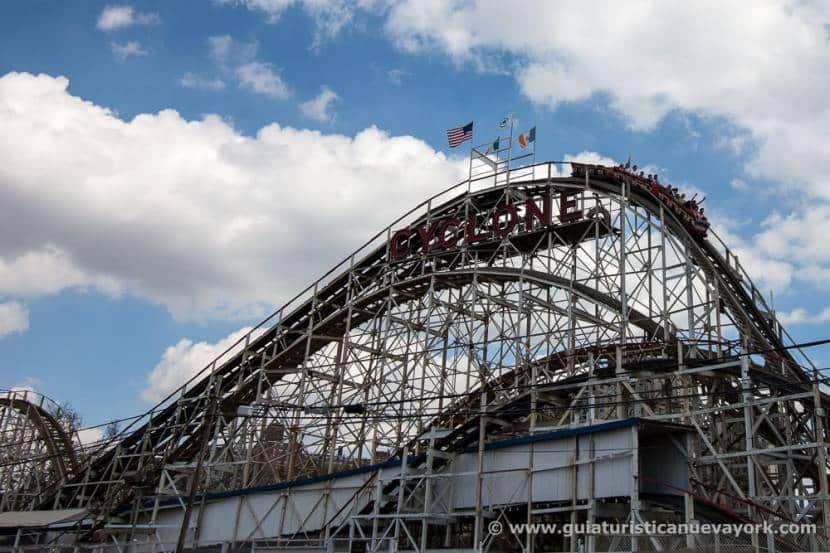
column 566, row 202
column 396, row 249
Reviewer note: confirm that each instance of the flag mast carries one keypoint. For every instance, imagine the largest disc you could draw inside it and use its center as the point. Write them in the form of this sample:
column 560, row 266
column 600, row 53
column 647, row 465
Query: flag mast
column 470, row 172
column 509, row 151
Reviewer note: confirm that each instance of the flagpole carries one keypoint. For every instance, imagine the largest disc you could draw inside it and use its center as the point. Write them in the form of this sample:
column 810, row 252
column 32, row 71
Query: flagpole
column 509, row 153
column 533, row 157
column 470, row 172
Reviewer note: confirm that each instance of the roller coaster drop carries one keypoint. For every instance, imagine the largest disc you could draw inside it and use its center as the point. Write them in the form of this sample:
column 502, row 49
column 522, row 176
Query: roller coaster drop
column 522, row 306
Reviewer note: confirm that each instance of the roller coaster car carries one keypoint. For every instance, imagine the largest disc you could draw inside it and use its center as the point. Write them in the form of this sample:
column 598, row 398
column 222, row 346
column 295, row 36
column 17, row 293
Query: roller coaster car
column 700, row 229
column 696, row 226
column 598, row 172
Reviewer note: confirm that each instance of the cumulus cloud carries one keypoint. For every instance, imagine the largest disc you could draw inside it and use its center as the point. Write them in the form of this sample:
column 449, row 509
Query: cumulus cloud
column 273, row 9
column 128, row 49
column 793, row 245
column 802, row 316
column 48, row 270
column 318, row 107
column 768, row 272
column 788, row 253
column 113, row 18
column 229, row 54
column 14, row 317
column 237, row 61
column 184, row 360
column 739, row 185
column 564, row 170
column 28, row 384
column 198, row 82
column 800, row 236
column 590, row 157
column 220, row 48
column 330, row 16
column 189, row 214
column 89, row 436
column 262, row 78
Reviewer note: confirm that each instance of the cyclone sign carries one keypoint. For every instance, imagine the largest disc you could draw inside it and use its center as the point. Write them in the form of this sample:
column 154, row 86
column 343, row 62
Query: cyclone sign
column 501, row 222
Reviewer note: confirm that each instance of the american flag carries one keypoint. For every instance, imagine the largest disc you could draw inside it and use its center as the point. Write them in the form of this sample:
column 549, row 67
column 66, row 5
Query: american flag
column 460, row 134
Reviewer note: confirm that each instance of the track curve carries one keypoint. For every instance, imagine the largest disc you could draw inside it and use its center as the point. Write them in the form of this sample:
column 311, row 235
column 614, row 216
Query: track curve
column 49, row 445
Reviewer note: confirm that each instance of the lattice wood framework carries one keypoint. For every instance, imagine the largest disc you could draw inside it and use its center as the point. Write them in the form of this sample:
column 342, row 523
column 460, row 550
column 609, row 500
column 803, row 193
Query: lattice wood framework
column 37, row 452
column 620, row 311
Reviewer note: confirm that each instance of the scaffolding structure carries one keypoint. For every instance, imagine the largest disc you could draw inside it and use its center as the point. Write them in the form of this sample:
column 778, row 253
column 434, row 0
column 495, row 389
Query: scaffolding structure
column 516, row 305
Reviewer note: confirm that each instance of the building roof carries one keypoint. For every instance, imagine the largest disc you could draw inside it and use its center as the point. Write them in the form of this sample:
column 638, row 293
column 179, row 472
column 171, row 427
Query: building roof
column 39, row 519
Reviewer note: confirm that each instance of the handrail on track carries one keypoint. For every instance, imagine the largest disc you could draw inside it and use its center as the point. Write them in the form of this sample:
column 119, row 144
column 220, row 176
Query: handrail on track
column 43, row 413
column 40, row 401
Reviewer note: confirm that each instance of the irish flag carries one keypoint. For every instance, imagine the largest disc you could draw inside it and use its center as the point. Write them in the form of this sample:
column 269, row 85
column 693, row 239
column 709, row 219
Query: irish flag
column 527, row 137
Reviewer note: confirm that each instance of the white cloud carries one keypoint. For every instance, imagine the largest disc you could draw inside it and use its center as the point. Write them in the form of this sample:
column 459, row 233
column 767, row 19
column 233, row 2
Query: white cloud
column 48, row 270
column 590, row 157
column 329, row 16
column 184, row 360
column 113, row 18
column 564, row 170
column 191, row 80
column 263, row 79
column 237, row 60
column 226, row 51
column 739, row 184
column 800, row 236
column 797, row 241
column 318, row 107
column 220, row 47
column 802, row 316
column 128, row 49
column 790, row 253
column 89, row 436
column 767, row 272
column 14, row 317
column 28, row 384
column 271, row 8
column 192, row 215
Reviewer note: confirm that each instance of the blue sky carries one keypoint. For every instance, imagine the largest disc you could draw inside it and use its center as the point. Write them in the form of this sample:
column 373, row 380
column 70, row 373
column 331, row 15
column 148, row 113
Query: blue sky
column 197, row 107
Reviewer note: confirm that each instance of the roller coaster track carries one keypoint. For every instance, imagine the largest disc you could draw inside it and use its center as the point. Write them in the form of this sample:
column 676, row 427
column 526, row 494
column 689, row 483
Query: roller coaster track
column 747, row 302
column 38, row 411
column 171, row 431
